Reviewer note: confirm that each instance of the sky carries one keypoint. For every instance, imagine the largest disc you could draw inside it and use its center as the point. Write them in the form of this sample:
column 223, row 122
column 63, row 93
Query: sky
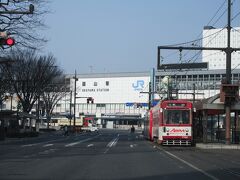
column 110, row 36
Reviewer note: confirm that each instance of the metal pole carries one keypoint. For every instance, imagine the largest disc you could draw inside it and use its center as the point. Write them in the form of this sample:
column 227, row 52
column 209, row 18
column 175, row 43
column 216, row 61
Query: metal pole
column 70, row 108
column 228, row 74
column 218, row 129
column 228, row 117
column 11, row 95
column 74, row 108
column 228, row 49
column 168, row 89
column 194, row 89
column 149, row 96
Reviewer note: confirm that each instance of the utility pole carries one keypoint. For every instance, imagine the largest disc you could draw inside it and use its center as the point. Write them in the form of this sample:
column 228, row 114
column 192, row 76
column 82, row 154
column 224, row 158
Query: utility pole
column 229, row 89
column 70, row 108
column 228, row 75
column 149, row 96
column 74, row 107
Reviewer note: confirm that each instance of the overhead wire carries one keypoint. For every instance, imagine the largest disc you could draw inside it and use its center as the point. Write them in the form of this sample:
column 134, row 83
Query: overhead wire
column 199, row 53
column 199, row 39
column 196, row 56
column 221, row 6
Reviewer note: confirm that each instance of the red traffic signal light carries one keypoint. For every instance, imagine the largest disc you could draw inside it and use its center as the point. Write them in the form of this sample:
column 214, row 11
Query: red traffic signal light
column 9, row 41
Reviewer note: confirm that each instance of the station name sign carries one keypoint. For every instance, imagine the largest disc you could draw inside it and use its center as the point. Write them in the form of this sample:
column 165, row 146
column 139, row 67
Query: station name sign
column 95, row 90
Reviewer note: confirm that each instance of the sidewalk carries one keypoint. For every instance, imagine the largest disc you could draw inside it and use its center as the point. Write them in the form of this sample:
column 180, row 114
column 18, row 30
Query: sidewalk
column 217, row 146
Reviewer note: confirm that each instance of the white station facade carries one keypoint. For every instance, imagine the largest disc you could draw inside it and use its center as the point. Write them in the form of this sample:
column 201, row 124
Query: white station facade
column 117, row 97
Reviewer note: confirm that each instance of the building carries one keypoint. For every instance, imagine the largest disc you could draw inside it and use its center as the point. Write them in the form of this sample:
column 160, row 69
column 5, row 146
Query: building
column 205, row 82
column 213, row 37
column 116, row 97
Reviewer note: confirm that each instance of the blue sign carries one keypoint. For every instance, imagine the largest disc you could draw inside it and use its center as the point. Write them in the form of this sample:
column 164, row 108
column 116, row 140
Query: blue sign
column 137, row 104
column 138, row 85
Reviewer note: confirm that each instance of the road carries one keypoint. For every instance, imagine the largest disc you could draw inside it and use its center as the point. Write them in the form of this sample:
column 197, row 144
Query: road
column 112, row 154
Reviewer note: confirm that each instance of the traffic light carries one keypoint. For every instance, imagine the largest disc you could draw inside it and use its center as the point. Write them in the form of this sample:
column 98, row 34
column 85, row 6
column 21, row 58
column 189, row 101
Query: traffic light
column 90, row 99
column 9, row 41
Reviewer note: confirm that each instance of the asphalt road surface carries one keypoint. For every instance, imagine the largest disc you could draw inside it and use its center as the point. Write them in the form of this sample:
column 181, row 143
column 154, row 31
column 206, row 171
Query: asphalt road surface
column 111, row 154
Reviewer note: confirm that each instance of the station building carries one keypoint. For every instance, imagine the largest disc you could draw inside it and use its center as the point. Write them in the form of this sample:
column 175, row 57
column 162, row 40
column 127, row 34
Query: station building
column 122, row 98
column 117, row 98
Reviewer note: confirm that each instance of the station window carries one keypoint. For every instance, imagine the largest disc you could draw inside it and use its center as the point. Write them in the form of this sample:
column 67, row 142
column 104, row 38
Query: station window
column 95, row 83
column 100, row 105
column 107, row 83
column 83, row 83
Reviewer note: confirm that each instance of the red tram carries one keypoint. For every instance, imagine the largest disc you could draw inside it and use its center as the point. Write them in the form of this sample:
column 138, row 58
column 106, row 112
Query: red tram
column 170, row 123
column 148, row 125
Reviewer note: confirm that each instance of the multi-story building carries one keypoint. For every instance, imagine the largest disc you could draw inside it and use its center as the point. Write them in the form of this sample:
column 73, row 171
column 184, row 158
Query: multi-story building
column 205, row 82
column 213, row 37
column 115, row 96
column 119, row 95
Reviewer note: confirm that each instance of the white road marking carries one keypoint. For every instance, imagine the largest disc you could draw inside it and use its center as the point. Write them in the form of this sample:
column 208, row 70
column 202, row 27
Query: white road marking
column 78, row 142
column 47, row 151
column 111, row 144
column 28, row 145
column 34, row 144
column 90, row 145
column 47, row 145
column 190, row 165
column 29, row 156
column 133, row 145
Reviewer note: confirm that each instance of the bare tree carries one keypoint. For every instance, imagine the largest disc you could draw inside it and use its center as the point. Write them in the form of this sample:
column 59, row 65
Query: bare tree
column 53, row 93
column 30, row 75
column 18, row 21
column 5, row 85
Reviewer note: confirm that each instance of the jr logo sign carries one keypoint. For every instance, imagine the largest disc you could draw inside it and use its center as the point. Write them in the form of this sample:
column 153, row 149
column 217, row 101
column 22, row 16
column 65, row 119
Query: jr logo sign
column 138, row 85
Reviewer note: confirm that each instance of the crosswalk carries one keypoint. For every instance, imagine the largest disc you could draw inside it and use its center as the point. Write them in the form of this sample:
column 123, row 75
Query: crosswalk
column 54, row 145
column 51, row 143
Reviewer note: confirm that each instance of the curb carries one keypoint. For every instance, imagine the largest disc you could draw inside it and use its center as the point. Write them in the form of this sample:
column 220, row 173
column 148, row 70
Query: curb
column 218, row 146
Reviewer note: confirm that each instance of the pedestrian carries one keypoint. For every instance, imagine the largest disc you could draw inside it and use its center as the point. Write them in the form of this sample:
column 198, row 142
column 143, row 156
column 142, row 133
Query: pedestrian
column 132, row 129
column 65, row 130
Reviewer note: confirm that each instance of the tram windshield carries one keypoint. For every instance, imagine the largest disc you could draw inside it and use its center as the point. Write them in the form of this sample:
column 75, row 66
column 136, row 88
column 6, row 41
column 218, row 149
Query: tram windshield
column 176, row 116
